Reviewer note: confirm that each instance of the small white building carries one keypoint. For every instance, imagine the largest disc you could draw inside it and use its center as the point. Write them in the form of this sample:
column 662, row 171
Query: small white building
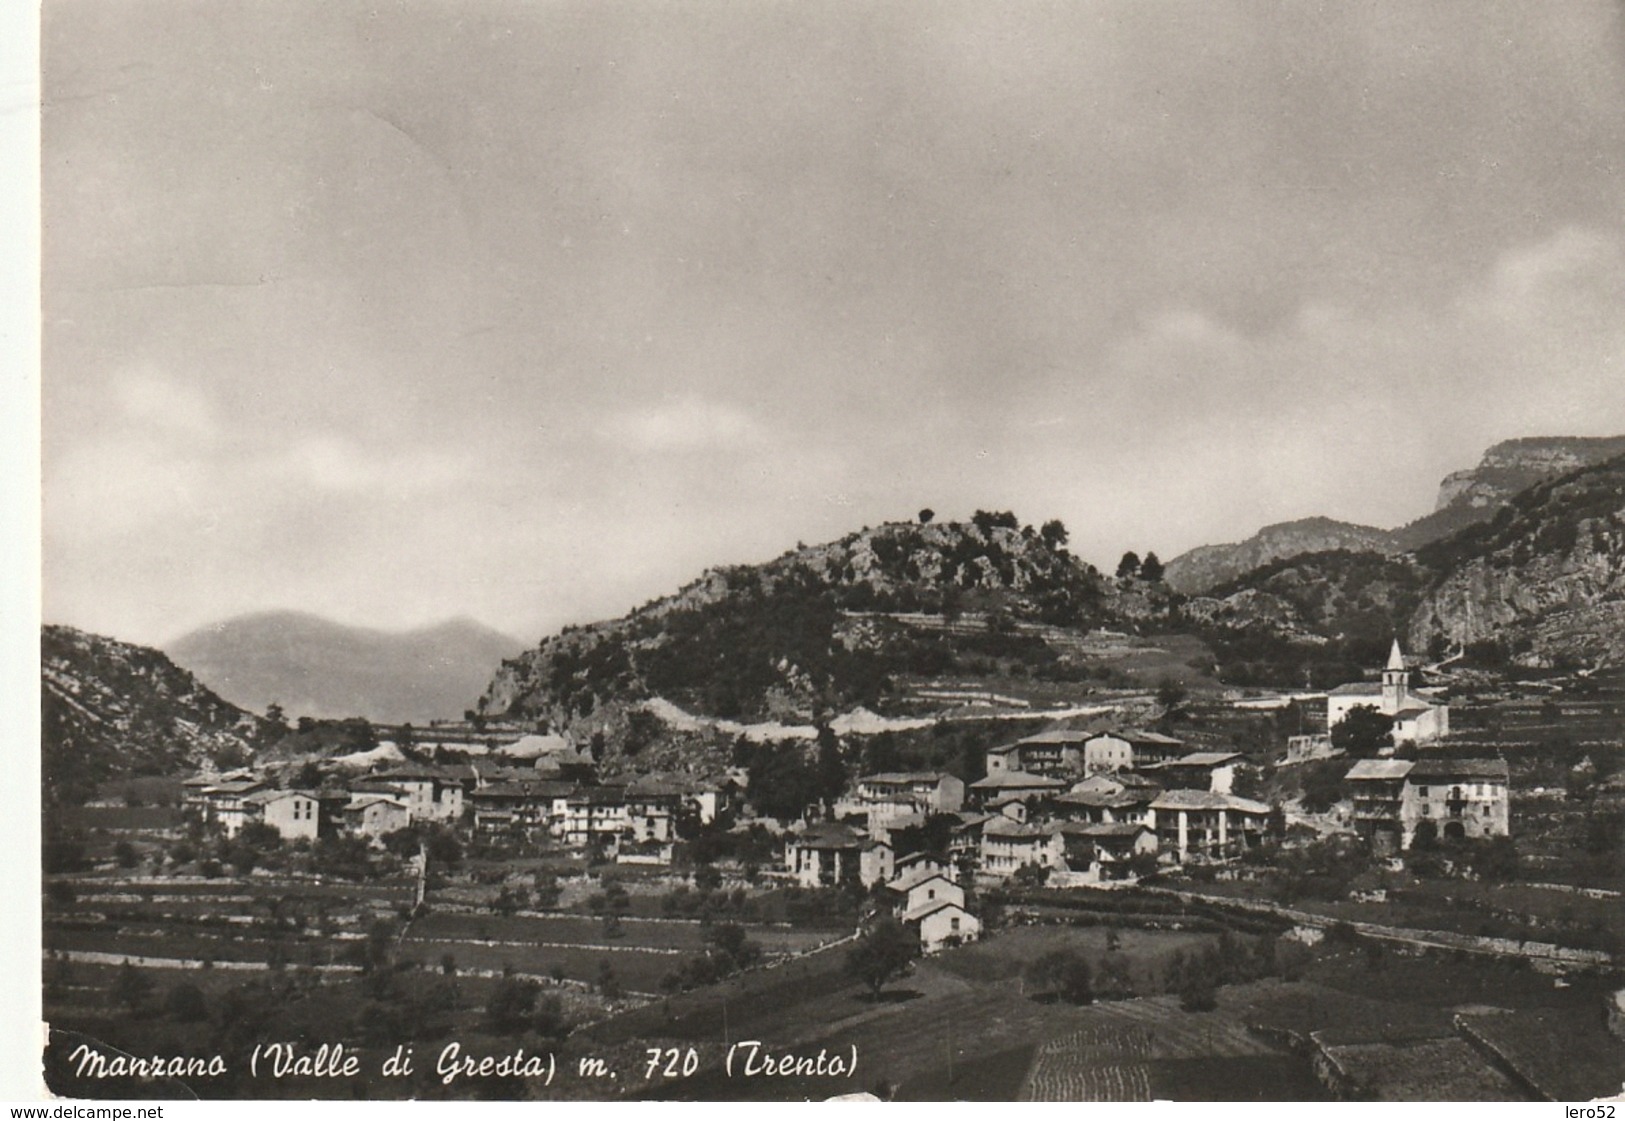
column 430, row 793
column 376, row 815
column 824, row 855
column 292, row 813
column 942, row 924
column 1008, row 846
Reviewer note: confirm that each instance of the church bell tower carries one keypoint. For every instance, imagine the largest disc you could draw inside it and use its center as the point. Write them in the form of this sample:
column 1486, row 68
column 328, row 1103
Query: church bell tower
column 1396, row 682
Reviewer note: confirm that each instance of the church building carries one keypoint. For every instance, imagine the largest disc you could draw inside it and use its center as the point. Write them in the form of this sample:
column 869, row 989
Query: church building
column 1419, row 717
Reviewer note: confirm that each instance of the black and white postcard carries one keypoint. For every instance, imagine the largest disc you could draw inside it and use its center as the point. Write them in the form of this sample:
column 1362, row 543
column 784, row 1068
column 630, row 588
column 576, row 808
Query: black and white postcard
column 614, row 550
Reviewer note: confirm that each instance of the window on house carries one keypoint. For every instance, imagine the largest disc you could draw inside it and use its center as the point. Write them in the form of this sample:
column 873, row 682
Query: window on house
column 953, row 924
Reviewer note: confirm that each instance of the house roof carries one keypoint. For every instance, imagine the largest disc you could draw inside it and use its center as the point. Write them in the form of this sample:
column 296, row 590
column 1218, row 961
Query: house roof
column 1058, row 735
column 1004, row 748
column 598, row 795
column 916, row 857
column 1016, row 779
column 1204, row 759
column 374, row 801
column 237, row 786
column 925, row 910
column 1379, row 769
column 1206, row 800
column 903, row 778
column 910, row 880
column 1010, row 829
column 266, row 797
column 827, row 835
column 534, row 790
column 374, row 788
column 1140, row 735
column 1106, row 799
column 1460, row 768
column 1357, row 689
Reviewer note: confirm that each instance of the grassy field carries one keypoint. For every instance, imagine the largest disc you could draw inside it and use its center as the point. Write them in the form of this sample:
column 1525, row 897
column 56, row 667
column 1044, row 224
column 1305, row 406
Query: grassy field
column 1146, row 952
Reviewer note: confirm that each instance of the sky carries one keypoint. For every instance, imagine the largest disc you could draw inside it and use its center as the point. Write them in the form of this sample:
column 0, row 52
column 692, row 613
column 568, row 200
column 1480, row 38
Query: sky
column 529, row 312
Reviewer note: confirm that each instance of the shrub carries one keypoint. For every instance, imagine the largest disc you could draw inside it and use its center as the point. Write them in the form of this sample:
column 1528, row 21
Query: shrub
column 186, row 1004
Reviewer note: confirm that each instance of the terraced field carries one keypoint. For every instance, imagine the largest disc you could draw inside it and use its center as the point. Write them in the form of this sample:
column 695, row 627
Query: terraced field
column 1112, row 1058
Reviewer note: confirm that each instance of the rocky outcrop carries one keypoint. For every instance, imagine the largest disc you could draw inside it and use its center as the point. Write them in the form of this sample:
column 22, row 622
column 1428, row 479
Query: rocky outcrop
column 110, row 710
column 1507, row 469
column 1208, row 566
column 775, row 639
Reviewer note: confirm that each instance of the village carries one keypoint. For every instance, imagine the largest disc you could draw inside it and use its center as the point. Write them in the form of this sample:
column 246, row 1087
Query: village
column 1098, row 806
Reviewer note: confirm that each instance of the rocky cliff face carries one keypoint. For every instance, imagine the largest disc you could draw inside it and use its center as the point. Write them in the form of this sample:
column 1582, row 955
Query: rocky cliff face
column 1208, row 566
column 1545, row 580
column 111, row 709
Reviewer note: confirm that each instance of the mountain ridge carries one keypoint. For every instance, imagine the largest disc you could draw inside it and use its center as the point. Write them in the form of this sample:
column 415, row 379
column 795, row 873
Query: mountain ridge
column 1465, row 498
column 314, row 666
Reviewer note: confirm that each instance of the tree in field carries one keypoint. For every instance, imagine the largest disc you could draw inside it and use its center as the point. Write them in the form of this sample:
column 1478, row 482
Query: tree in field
column 1151, row 569
column 782, row 783
column 609, row 986
column 926, row 515
column 1322, row 784
column 1363, row 732
column 1031, row 874
column 1495, row 859
column 276, row 723
column 733, row 947
column 1170, row 692
column 508, row 1012
column 131, row 988
column 831, row 769
column 1129, row 566
column 186, row 1004
column 882, row 954
column 1054, row 533
column 1063, row 974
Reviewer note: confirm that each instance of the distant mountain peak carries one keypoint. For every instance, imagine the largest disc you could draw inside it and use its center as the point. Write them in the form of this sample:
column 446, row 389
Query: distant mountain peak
column 1209, row 566
column 313, row 666
column 1466, row 497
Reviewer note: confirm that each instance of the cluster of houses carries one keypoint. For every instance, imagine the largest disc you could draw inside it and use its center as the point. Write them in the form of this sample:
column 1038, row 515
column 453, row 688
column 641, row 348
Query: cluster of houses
column 1082, row 806
column 551, row 800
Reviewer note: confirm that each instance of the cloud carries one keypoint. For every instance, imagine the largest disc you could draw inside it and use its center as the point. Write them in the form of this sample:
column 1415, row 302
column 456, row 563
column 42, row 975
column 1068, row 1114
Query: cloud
column 157, row 403
column 687, row 425
column 330, row 462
